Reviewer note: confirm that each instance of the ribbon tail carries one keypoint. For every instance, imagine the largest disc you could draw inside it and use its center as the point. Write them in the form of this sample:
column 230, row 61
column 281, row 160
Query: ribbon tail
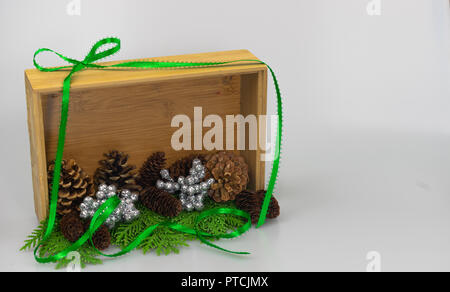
column 276, row 162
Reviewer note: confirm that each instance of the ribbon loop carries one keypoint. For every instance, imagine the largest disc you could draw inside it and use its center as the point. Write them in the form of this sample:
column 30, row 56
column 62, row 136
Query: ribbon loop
column 108, row 207
column 93, row 55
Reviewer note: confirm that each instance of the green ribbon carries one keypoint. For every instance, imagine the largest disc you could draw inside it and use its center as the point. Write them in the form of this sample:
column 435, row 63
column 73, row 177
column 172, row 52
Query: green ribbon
column 111, row 204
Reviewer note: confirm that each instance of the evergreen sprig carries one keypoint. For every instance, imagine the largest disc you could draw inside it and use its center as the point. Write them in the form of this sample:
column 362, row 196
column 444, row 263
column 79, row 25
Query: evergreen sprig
column 57, row 243
column 33, row 239
column 162, row 241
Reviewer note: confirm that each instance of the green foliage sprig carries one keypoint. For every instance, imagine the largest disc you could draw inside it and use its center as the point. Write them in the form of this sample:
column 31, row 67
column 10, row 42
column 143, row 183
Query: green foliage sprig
column 57, row 243
column 166, row 241
column 162, row 241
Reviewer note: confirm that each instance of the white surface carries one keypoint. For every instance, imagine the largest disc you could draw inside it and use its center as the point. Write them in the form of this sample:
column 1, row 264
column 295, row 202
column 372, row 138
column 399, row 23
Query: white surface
column 366, row 157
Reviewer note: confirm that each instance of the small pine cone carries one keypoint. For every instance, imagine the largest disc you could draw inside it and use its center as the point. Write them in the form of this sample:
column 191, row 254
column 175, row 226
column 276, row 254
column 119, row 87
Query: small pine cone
column 71, row 227
column 101, row 237
column 74, row 186
column 274, row 208
column 115, row 170
column 246, row 200
column 181, row 166
column 149, row 172
column 230, row 173
column 252, row 203
column 161, row 202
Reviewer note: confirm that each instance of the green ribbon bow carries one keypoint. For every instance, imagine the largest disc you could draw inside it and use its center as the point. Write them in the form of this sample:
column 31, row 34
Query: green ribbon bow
column 110, row 205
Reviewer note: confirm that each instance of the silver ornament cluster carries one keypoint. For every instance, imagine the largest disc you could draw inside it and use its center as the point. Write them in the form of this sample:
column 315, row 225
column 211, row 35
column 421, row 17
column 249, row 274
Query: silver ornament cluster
column 125, row 212
column 192, row 189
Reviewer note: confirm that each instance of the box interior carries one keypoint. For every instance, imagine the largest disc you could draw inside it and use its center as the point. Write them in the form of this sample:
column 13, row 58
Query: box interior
column 136, row 118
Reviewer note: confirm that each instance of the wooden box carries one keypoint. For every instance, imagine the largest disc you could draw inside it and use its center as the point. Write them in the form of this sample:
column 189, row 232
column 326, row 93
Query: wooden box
column 131, row 111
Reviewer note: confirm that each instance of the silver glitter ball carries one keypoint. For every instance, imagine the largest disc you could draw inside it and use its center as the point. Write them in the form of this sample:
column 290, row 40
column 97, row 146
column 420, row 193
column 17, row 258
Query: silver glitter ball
column 183, row 202
column 102, row 187
column 125, row 194
column 196, row 162
column 169, row 187
column 201, row 174
column 160, row 184
column 100, row 195
column 176, row 187
column 204, row 186
column 183, row 196
column 84, row 214
column 127, row 208
column 192, row 171
column 196, row 179
column 128, row 217
column 197, row 189
column 181, row 180
column 83, row 206
column 111, row 188
column 134, row 197
column 210, row 181
column 117, row 212
column 191, row 190
column 200, row 197
column 190, row 180
column 189, row 207
column 110, row 194
column 184, row 188
column 95, row 205
column 198, row 206
column 91, row 213
column 165, row 174
column 199, row 168
column 88, row 200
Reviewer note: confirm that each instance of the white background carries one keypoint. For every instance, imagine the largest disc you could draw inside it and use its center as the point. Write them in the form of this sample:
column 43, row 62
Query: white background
column 366, row 157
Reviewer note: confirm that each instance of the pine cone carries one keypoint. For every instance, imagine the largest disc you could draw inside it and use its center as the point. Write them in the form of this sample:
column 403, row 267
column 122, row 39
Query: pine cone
column 231, row 174
column 114, row 170
column 149, row 172
column 181, row 166
column 252, row 204
column 274, row 208
column 71, row 227
column 161, row 202
column 101, row 237
column 74, row 186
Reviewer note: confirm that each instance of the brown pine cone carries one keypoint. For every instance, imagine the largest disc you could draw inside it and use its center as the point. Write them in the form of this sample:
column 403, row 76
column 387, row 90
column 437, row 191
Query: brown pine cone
column 230, row 173
column 161, row 202
column 149, row 172
column 101, row 237
column 274, row 208
column 181, row 166
column 246, row 200
column 115, row 170
column 74, row 186
column 71, row 227
column 252, row 204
